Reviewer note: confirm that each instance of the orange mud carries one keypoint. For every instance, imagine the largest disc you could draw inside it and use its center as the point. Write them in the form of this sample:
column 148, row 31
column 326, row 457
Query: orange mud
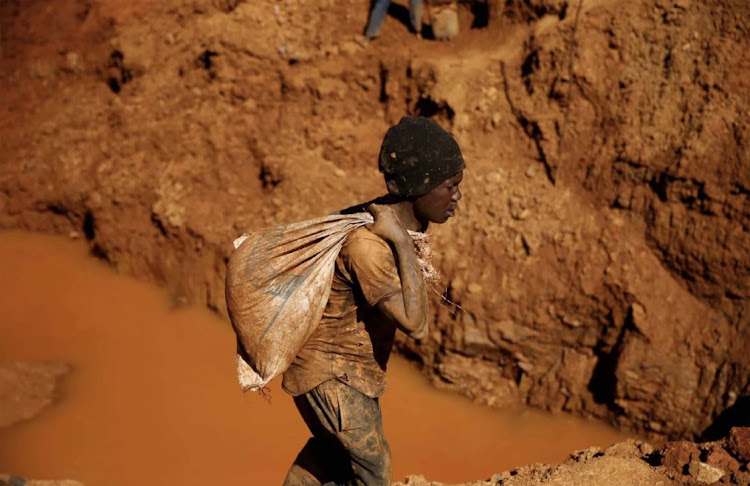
column 153, row 397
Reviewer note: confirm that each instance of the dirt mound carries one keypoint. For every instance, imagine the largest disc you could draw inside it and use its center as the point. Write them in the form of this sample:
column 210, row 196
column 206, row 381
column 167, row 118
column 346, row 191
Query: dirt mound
column 600, row 261
column 634, row 463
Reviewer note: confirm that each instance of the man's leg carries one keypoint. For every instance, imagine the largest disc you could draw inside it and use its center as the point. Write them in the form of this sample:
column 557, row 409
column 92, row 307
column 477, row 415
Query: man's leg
column 362, row 436
column 415, row 15
column 348, row 446
column 322, row 460
column 377, row 14
column 309, row 468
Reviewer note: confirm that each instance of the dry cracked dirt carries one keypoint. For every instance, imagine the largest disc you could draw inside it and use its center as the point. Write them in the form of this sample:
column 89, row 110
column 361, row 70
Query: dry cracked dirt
column 600, row 263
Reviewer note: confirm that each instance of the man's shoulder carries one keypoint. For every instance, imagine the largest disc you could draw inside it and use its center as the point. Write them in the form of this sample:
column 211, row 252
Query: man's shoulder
column 363, row 243
column 368, row 262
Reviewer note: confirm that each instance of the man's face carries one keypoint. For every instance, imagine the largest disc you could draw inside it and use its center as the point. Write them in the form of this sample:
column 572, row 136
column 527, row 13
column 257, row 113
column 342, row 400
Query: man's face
column 439, row 204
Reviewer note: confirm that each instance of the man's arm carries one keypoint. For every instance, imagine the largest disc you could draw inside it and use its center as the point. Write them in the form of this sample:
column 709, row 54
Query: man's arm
column 407, row 309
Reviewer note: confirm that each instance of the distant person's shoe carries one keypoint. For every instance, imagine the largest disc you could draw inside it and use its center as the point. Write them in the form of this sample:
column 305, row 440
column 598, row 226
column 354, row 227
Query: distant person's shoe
column 364, row 40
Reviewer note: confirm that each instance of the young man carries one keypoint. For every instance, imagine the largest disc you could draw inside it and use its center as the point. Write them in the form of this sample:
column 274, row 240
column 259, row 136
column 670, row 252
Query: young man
column 377, row 287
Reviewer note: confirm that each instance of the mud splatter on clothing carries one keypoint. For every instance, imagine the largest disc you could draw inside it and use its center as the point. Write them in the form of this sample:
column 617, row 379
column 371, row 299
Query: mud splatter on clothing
column 348, row 446
column 353, row 341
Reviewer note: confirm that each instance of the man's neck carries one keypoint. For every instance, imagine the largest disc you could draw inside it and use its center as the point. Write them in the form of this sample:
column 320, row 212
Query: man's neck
column 405, row 212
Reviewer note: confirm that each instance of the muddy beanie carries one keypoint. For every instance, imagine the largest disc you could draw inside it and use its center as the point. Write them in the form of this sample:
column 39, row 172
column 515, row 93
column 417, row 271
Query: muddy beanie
column 417, row 155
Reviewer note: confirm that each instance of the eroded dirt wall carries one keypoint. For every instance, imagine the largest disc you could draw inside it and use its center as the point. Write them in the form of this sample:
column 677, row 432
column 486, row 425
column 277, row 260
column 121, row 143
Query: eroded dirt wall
column 637, row 309
column 599, row 263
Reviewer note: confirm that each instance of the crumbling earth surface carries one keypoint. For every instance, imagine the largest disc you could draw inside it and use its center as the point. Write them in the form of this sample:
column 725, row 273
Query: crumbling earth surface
column 27, row 388
column 634, row 463
column 600, row 261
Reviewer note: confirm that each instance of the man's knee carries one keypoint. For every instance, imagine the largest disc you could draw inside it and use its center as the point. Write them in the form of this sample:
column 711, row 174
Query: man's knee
column 308, row 468
column 372, row 463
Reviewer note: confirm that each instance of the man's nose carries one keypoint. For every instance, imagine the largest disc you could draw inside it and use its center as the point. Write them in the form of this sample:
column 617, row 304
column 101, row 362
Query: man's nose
column 456, row 196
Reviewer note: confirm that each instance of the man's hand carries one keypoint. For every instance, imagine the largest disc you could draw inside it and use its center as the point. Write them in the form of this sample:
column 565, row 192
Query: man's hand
column 387, row 224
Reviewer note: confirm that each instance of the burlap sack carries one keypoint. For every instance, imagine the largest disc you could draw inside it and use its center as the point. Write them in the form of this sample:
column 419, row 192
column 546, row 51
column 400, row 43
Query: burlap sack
column 277, row 286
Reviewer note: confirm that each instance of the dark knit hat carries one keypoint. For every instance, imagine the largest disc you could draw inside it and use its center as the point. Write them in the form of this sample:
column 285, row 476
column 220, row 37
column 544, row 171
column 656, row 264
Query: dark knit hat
column 417, row 155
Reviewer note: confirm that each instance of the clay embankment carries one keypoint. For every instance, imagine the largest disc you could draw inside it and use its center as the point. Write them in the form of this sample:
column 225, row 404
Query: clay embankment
column 600, row 259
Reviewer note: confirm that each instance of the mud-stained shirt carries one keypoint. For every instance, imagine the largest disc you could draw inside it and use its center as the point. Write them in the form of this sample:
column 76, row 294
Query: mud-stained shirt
column 353, row 341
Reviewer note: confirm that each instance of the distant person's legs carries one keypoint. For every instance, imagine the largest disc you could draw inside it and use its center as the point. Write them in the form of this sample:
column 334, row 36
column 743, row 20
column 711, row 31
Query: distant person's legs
column 377, row 14
column 415, row 15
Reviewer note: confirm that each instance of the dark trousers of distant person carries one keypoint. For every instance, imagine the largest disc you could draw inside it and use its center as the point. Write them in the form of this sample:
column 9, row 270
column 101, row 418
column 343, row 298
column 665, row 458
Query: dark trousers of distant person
column 348, row 446
column 380, row 9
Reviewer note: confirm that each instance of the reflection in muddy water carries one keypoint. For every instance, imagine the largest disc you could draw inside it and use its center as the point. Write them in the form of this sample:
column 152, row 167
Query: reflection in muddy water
column 153, row 397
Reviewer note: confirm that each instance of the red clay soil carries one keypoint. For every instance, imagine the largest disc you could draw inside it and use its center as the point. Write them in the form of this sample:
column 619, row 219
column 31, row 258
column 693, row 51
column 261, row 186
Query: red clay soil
column 600, row 260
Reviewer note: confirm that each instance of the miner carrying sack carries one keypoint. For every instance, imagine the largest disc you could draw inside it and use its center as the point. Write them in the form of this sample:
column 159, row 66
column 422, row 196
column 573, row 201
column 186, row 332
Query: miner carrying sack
column 376, row 288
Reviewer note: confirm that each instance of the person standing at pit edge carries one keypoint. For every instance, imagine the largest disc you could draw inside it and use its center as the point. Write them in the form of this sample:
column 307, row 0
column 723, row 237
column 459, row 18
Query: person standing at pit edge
column 380, row 9
column 377, row 288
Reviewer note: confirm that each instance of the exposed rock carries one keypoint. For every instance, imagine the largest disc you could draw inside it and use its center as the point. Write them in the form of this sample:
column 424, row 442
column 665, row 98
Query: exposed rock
column 444, row 21
column 677, row 455
column 739, row 443
column 630, row 449
column 704, row 472
column 720, row 458
column 26, row 388
column 584, row 455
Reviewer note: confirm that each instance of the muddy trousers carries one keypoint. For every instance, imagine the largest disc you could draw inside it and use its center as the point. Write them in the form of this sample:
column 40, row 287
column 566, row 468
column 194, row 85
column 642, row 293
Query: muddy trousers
column 348, row 446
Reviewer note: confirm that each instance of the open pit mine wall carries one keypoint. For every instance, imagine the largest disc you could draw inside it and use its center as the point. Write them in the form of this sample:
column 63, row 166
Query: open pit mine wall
column 599, row 263
column 612, row 277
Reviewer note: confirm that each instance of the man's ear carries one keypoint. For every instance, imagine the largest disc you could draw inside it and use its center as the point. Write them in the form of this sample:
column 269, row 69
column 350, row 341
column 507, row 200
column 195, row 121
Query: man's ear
column 392, row 188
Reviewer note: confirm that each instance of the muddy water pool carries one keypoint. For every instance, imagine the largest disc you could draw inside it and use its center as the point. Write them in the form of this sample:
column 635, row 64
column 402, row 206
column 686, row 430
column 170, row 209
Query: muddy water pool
column 153, row 399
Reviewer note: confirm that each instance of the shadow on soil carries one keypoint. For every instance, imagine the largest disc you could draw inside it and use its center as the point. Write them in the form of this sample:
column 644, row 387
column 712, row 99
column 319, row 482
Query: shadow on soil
column 738, row 415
